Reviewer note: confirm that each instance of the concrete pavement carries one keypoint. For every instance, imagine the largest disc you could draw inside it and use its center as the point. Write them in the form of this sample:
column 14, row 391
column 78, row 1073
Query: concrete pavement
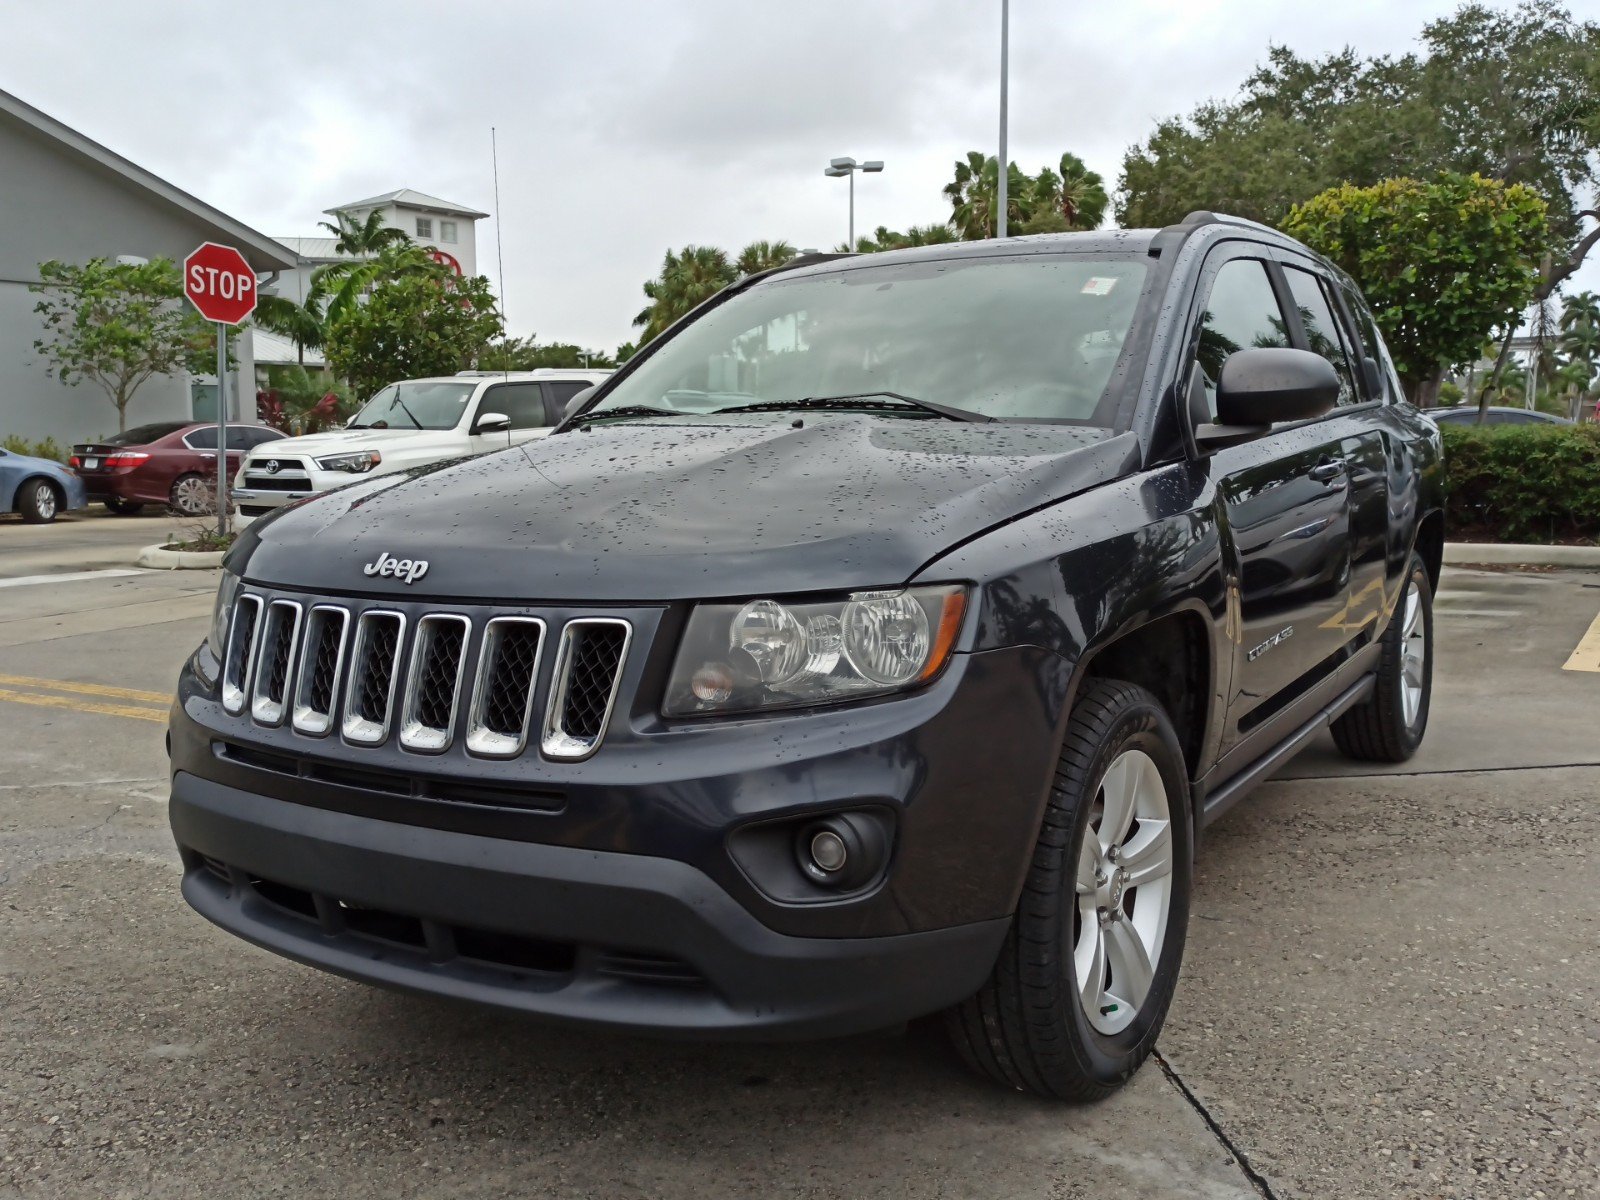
column 1390, row 987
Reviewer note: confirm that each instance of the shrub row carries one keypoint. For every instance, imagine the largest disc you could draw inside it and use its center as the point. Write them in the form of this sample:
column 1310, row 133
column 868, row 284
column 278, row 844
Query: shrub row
column 1523, row 483
column 45, row 449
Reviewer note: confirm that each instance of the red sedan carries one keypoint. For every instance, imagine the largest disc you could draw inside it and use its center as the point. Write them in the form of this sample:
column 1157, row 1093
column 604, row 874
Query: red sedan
column 171, row 462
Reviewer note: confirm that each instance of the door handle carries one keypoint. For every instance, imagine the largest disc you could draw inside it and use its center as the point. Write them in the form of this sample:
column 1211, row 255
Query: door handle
column 1327, row 470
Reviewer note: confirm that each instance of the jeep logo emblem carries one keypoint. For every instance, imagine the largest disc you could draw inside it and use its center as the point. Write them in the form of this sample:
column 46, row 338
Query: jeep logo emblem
column 406, row 570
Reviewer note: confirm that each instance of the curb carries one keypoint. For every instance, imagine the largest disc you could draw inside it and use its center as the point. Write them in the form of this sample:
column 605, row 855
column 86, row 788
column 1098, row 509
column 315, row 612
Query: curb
column 1502, row 554
column 163, row 559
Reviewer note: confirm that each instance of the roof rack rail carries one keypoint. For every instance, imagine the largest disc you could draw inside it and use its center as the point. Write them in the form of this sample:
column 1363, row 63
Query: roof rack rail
column 1172, row 235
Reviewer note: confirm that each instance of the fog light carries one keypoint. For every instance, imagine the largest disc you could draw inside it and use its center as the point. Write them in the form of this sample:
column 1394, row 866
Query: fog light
column 841, row 852
column 828, row 851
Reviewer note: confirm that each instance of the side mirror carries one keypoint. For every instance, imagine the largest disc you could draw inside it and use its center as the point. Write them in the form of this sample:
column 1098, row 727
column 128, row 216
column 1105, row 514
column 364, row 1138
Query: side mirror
column 578, row 401
column 492, row 422
column 1262, row 387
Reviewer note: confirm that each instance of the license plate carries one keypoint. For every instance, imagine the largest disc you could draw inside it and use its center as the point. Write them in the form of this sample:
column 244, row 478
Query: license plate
column 90, row 464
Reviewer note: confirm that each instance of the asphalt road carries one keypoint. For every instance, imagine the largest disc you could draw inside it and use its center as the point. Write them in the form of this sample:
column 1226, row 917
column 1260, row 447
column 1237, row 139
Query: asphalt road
column 1391, row 986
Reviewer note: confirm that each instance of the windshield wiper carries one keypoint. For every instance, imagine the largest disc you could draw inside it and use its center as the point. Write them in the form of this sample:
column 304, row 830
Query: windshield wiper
column 408, row 412
column 860, row 400
column 626, row 411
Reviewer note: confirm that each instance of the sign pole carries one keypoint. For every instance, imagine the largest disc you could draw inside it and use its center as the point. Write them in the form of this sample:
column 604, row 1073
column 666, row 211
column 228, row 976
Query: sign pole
column 222, row 430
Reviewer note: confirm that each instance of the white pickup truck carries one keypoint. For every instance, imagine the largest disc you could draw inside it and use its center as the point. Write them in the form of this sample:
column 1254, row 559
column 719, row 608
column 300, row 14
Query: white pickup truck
column 409, row 424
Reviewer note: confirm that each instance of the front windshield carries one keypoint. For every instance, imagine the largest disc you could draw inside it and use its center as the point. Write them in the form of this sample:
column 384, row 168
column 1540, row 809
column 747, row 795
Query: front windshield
column 1009, row 338
column 415, row 405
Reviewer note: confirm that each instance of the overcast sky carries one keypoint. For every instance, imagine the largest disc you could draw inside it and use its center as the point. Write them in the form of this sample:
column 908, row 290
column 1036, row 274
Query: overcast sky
column 627, row 126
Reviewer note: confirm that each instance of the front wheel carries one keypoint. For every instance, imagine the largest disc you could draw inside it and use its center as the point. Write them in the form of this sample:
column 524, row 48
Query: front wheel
column 1388, row 726
column 1086, row 975
column 38, row 501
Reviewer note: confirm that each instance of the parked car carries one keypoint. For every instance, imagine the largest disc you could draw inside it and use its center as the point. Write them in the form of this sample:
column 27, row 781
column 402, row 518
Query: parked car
column 876, row 642
column 38, row 489
column 1467, row 414
column 410, row 424
column 167, row 462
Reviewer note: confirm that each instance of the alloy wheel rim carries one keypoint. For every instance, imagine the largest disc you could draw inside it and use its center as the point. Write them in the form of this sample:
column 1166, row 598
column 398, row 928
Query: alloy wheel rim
column 45, row 501
column 1123, row 891
column 1413, row 655
column 191, row 496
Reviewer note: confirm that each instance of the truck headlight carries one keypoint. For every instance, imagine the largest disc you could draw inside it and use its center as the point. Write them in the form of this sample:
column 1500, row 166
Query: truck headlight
column 773, row 654
column 220, row 612
column 354, row 464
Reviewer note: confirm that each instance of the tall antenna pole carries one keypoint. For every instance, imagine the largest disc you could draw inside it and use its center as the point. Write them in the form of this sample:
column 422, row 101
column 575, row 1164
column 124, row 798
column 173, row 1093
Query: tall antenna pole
column 499, row 240
column 1005, row 23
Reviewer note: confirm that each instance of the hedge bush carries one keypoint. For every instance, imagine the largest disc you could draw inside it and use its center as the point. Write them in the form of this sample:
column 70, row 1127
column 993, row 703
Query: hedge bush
column 1523, row 483
column 45, row 449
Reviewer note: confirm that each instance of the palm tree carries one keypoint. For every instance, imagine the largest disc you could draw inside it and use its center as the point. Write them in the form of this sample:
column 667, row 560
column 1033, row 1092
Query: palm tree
column 362, row 239
column 1081, row 194
column 346, row 281
column 687, row 278
column 303, row 323
column 763, row 256
column 974, row 195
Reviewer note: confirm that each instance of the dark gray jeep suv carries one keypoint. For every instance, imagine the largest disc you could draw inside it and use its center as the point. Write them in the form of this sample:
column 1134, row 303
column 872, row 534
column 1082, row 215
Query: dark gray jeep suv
column 875, row 643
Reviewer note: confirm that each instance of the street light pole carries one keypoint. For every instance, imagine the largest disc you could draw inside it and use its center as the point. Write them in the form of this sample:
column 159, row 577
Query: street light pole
column 1002, row 172
column 849, row 166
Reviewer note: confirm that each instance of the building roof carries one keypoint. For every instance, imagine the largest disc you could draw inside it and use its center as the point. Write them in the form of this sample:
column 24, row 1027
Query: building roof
column 314, row 249
column 272, row 349
column 262, row 252
column 411, row 199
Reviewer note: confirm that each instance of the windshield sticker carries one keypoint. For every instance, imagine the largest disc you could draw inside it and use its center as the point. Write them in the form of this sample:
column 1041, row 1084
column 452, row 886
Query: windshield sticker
column 1100, row 285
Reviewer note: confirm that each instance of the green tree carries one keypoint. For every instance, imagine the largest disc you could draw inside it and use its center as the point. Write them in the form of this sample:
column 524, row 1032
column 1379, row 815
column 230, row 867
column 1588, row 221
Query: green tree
column 1511, row 94
column 344, row 283
column 1443, row 263
column 1073, row 198
column 688, row 278
column 413, row 324
column 116, row 325
column 884, row 238
column 528, row 354
column 303, row 322
column 624, row 352
column 763, row 256
column 1579, row 343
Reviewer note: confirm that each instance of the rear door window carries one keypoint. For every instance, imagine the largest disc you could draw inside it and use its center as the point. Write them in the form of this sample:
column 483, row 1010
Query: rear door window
column 202, row 439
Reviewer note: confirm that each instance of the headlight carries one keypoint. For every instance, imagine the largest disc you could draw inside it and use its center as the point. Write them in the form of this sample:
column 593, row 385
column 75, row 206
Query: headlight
column 218, row 637
column 769, row 654
column 354, row 464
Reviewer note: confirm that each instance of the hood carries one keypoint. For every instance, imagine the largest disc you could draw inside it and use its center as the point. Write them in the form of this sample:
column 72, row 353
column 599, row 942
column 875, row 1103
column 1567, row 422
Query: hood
column 688, row 508
column 335, row 440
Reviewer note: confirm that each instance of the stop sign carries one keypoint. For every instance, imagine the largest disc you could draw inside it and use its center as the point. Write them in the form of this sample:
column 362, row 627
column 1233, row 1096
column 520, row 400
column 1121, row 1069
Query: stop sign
column 220, row 283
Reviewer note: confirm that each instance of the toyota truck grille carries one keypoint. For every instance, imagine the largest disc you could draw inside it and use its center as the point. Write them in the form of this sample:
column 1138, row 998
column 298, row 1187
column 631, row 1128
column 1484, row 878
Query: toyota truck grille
column 423, row 678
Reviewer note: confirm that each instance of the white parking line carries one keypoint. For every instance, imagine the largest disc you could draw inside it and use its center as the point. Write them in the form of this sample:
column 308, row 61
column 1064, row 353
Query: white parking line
column 1586, row 655
column 69, row 577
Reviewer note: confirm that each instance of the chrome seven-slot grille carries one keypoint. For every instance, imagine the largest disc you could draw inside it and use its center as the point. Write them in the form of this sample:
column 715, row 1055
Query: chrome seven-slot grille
column 321, row 666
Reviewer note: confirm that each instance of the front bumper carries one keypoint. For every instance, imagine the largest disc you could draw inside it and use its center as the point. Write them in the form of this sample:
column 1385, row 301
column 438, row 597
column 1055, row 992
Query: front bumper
column 252, row 503
column 637, row 943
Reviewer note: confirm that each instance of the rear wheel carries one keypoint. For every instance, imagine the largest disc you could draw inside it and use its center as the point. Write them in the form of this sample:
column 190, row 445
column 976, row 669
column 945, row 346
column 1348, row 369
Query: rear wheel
column 123, row 508
column 191, row 496
column 1388, row 726
column 1086, row 975
column 38, row 501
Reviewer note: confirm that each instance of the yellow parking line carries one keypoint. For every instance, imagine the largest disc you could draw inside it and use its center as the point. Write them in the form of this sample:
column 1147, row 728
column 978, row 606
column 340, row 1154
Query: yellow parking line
column 86, row 689
column 1587, row 655
column 87, row 706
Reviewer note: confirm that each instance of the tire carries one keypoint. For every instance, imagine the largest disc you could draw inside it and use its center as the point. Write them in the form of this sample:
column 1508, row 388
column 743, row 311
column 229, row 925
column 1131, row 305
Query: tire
column 1029, row 1028
column 1388, row 727
column 191, row 496
column 124, row 508
column 38, row 501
